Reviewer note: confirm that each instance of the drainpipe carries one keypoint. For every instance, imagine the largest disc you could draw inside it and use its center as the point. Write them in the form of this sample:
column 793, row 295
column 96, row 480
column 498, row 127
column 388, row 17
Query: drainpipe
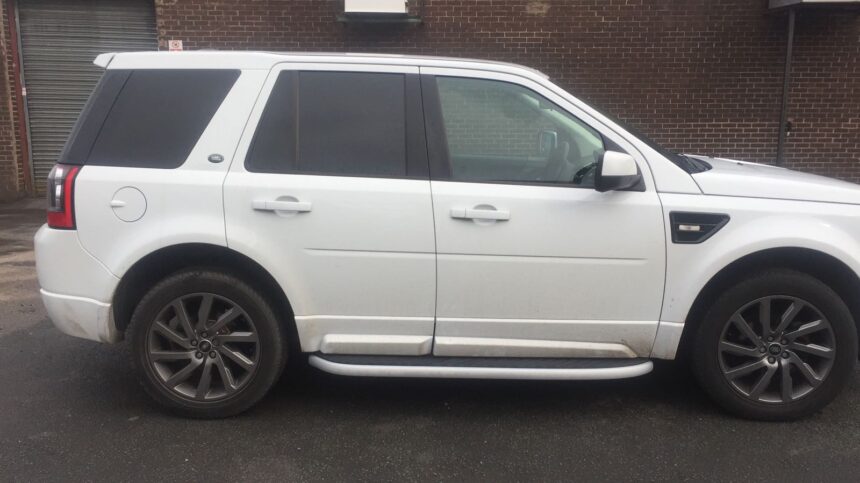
column 786, row 78
column 18, row 94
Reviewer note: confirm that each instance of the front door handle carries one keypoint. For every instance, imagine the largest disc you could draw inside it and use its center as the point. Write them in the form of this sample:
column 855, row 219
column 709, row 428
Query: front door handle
column 281, row 205
column 480, row 214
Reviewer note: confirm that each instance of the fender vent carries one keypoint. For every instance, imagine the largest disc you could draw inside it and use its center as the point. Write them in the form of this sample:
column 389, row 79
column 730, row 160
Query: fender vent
column 689, row 227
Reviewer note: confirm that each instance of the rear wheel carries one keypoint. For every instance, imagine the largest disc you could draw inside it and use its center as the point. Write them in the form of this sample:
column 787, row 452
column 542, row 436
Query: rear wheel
column 206, row 344
column 777, row 346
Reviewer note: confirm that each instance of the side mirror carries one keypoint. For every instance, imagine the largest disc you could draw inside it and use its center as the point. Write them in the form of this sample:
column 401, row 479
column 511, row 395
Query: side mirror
column 616, row 171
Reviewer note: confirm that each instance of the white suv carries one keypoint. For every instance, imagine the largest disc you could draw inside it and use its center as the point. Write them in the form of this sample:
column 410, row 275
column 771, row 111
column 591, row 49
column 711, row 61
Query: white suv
column 428, row 217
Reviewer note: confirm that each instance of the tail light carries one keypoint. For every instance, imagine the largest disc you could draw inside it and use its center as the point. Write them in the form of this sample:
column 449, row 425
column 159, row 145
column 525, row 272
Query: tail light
column 61, row 196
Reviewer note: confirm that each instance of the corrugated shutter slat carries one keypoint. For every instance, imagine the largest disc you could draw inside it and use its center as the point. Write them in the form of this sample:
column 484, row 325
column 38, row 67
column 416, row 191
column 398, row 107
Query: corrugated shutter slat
column 59, row 40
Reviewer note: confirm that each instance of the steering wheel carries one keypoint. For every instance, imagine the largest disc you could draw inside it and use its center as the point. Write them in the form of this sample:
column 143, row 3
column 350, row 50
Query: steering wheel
column 584, row 171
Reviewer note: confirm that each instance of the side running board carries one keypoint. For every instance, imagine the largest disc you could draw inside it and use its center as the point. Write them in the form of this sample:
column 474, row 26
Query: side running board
column 480, row 367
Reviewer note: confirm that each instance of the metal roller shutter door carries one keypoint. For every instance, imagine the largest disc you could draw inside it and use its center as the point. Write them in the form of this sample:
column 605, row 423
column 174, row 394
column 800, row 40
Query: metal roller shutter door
column 59, row 40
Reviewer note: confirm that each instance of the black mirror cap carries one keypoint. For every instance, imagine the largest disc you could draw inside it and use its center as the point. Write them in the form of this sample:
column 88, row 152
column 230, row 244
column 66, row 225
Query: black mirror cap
column 602, row 184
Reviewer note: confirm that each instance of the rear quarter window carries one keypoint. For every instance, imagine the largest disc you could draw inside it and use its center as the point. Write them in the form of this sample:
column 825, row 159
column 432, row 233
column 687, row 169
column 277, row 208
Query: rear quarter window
column 157, row 117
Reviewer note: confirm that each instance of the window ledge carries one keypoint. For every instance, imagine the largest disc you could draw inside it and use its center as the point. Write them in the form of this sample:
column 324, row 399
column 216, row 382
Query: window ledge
column 378, row 19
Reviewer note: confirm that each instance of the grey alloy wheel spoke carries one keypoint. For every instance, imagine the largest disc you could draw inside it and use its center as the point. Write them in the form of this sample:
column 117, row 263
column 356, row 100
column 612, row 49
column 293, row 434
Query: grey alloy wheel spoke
column 739, row 350
column 171, row 335
column 744, row 326
column 764, row 317
column 806, row 329
column 183, row 374
column 226, row 374
column 182, row 315
column 200, row 363
column 237, row 357
column 204, row 311
column 238, row 337
column 763, row 382
column 745, row 369
column 170, row 355
column 229, row 316
column 813, row 349
column 786, row 383
column 791, row 358
column 788, row 317
column 805, row 370
column 205, row 380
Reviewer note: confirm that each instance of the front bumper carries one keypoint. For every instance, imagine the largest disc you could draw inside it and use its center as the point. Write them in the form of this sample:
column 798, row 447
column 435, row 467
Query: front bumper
column 76, row 288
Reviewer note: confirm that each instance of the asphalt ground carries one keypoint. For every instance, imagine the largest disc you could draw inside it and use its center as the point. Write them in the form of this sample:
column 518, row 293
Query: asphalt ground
column 72, row 410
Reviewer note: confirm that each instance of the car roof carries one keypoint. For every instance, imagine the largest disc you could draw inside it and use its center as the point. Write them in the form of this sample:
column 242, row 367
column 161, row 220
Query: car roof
column 215, row 59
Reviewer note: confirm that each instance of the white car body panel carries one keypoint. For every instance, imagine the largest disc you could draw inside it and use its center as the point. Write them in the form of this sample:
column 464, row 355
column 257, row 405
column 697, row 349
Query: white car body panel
column 752, row 180
column 361, row 262
column 525, row 277
column 756, row 225
column 76, row 308
column 510, row 346
column 67, row 252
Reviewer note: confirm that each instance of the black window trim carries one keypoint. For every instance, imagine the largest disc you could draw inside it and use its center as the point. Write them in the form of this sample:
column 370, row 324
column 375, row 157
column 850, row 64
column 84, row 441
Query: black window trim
column 437, row 140
column 417, row 164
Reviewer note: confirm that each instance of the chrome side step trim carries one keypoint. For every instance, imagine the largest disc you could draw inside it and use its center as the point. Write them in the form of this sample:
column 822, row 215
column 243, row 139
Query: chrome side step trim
column 460, row 372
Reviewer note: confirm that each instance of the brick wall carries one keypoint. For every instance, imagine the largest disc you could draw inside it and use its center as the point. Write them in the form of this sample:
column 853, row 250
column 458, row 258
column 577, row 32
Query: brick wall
column 696, row 75
column 699, row 76
column 11, row 176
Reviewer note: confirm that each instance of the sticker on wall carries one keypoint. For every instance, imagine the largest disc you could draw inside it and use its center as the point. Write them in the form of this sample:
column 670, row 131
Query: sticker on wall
column 174, row 45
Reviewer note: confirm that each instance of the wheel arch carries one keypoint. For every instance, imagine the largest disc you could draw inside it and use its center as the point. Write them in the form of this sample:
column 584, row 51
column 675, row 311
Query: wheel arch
column 155, row 266
column 825, row 267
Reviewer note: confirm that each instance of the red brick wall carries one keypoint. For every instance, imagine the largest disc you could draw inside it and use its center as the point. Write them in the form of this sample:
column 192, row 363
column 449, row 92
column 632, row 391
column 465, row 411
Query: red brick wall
column 700, row 76
column 11, row 176
column 825, row 96
column 697, row 75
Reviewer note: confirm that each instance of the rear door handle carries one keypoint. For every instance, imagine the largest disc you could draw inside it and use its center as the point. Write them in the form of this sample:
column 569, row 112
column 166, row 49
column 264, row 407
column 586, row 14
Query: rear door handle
column 480, row 214
column 279, row 205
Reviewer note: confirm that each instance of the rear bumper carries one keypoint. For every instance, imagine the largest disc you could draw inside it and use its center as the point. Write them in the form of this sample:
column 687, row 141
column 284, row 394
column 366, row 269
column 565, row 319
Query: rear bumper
column 81, row 317
column 76, row 289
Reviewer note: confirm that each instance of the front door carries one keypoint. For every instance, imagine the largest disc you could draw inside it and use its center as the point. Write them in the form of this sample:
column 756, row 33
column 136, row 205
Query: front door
column 532, row 261
column 330, row 192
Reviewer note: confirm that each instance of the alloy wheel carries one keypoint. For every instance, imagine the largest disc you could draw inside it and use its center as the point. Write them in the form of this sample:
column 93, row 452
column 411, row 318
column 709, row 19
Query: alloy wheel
column 203, row 347
column 776, row 349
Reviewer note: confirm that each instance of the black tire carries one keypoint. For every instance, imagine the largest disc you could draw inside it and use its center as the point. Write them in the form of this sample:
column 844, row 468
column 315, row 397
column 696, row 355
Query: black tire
column 709, row 356
column 268, row 349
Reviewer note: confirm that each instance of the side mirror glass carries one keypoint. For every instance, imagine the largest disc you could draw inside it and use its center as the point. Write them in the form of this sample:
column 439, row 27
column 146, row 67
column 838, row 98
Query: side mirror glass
column 616, row 171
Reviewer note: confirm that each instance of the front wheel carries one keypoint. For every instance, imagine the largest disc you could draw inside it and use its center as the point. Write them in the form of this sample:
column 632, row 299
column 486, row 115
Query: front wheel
column 777, row 346
column 206, row 344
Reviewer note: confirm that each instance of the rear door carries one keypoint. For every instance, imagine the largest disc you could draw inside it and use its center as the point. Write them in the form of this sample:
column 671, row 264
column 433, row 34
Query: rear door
column 330, row 192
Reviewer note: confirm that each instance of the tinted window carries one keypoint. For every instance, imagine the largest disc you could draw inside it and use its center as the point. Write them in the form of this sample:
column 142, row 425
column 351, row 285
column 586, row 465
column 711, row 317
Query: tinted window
column 158, row 117
column 273, row 149
column 92, row 117
column 502, row 132
column 339, row 123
